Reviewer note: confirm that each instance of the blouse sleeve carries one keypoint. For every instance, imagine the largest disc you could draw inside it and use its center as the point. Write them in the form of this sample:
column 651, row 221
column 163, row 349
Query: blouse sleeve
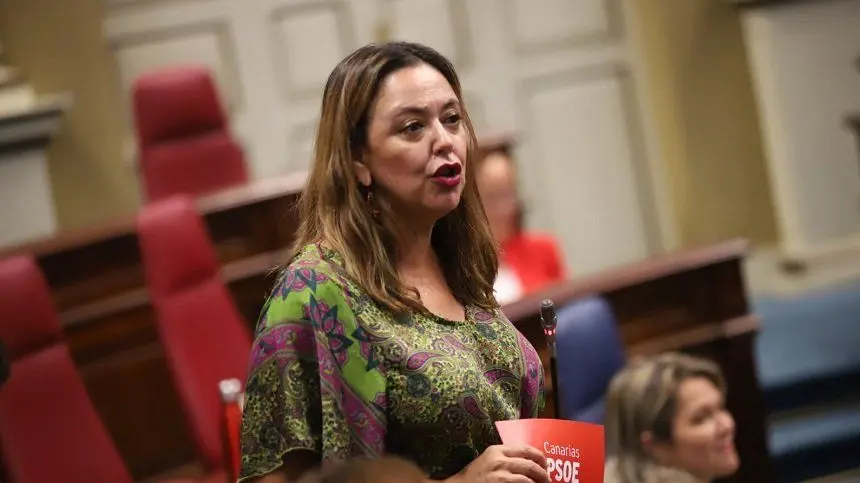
column 540, row 403
column 307, row 388
column 540, row 398
column 533, row 392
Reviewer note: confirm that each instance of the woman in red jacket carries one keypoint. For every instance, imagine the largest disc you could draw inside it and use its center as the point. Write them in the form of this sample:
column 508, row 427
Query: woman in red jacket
column 529, row 261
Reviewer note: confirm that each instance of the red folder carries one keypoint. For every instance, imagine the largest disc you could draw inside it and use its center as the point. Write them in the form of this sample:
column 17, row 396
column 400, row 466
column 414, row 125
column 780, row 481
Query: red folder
column 575, row 451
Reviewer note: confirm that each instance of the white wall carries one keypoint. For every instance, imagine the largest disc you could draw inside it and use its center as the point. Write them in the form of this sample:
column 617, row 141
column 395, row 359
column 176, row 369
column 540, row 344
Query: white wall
column 25, row 196
column 27, row 210
column 802, row 57
column 557, row 72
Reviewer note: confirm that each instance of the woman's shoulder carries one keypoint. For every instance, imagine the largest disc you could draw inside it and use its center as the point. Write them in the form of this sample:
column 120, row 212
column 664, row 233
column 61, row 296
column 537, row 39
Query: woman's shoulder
column 316, row 266
column 313, row 280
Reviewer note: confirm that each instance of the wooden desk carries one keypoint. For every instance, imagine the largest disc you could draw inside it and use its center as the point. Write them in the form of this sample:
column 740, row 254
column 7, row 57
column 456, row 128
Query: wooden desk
column 694, row 301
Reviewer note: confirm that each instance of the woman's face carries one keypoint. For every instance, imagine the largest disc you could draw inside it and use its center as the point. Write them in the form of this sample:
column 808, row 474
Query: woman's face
column 416, row 146
column 703, row 432
column 498, row 187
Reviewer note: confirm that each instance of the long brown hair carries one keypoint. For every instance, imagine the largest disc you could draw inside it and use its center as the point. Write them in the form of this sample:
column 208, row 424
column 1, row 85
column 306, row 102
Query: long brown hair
column 333, row 207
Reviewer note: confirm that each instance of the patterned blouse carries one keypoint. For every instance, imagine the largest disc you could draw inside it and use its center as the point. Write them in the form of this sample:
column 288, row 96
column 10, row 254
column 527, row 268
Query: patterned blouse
column 334, row 373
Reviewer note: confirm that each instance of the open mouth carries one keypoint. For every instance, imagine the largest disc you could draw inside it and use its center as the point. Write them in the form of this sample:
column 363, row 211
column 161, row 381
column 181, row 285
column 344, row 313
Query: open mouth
column 449, row 170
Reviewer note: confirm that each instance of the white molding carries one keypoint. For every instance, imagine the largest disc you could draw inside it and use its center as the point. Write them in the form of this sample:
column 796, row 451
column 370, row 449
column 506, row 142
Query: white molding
column 27, row 208
column 774, row 271
column 800, row 56
column 286, row 69
column 827, row 254
column 595, row 35
column 640, row 241
column 768, row 104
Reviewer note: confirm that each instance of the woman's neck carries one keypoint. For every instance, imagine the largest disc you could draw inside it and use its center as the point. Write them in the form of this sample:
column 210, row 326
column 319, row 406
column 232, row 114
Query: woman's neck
column 415, row 250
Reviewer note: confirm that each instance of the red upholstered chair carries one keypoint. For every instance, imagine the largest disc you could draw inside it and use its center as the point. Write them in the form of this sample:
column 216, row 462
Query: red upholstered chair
column 183, row 136
column 204, row 336
column 49, row 429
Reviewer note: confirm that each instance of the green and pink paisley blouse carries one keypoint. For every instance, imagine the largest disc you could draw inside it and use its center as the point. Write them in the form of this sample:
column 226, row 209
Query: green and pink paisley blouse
column 334, row 373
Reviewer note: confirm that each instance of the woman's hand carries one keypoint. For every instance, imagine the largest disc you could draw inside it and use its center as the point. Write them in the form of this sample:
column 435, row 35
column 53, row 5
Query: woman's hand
column 506, row 464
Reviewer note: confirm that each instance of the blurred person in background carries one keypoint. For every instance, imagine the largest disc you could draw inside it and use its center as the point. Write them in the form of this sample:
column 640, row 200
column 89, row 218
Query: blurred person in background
column 528, row 261
column 666, row 422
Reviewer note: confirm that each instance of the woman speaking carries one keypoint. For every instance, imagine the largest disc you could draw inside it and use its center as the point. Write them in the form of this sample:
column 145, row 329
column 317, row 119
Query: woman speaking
column 382, row 335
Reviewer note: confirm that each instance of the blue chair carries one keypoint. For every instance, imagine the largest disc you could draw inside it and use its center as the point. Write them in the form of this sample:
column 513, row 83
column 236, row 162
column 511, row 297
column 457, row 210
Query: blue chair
column 589, row 353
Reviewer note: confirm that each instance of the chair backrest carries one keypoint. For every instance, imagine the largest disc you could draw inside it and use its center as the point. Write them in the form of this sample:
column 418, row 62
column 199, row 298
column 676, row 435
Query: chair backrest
column 49, row 428
column 589, row 353
column 184, row 140
column 205, row 338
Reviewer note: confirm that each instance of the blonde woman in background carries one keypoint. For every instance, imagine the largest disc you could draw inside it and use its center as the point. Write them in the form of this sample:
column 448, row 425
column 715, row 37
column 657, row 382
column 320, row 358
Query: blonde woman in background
column 666, row 422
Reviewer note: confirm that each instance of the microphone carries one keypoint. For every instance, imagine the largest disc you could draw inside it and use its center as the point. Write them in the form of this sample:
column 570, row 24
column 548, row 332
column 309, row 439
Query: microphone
column 549, row 321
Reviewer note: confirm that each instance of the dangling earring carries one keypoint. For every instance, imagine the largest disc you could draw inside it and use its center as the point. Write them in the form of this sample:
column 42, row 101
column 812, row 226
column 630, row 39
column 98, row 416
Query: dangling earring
column 371, row 205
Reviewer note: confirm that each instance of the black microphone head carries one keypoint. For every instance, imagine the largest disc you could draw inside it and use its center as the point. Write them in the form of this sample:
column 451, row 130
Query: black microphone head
column 549, row 321
column 547, row 314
